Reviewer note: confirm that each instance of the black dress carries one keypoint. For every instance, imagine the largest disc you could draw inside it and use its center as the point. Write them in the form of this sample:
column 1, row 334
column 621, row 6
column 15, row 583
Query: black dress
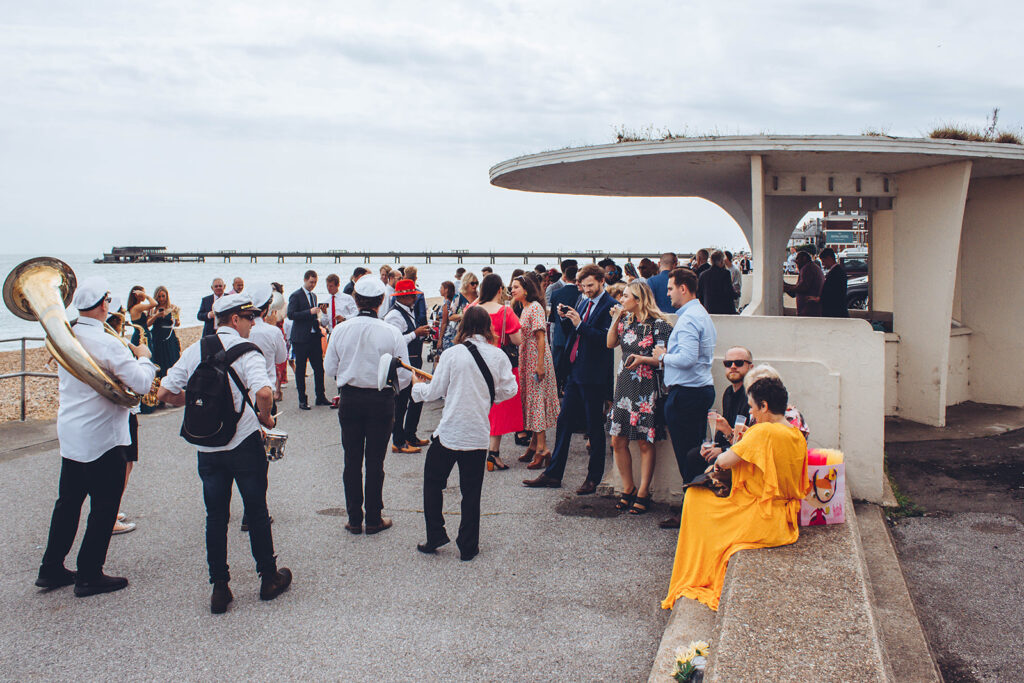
column 164, row 344
column 634, row 412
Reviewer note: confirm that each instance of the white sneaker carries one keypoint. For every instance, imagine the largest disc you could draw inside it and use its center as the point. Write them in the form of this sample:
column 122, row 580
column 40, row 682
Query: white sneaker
column 121, row 516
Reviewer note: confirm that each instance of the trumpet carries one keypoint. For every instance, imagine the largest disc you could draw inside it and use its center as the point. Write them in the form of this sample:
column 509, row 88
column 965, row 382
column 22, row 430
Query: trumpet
column 40, row 289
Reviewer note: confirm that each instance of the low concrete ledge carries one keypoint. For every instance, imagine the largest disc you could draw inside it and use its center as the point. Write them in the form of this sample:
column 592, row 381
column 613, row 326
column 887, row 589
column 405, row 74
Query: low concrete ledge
column 690, row 621
column 799, row 613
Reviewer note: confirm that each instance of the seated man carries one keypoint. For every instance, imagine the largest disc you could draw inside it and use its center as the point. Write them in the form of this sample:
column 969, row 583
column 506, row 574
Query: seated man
column 738, row 362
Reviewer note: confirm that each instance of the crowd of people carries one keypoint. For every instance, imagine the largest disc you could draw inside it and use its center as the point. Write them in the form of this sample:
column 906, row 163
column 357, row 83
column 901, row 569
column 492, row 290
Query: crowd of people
column 514, row 359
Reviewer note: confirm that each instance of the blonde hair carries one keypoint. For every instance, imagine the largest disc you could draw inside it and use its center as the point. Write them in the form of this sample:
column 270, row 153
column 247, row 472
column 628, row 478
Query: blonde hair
column 648, row 309
column 467, row 277
column 616, row 290
column 760, row 372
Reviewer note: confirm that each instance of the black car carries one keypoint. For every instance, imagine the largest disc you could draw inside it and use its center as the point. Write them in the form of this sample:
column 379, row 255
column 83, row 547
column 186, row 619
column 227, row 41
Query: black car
column 855, row 268
column 857, row 293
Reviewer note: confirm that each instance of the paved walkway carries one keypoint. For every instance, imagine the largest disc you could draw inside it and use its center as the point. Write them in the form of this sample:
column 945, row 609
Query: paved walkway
column 564, row 588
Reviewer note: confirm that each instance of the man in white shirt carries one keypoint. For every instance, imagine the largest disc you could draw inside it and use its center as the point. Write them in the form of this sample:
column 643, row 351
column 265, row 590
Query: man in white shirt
column 463, row 434
column 268, row 337
column 407, row 414
column 242, row 460
column 340, row 306
column 94, row 435
column 365, row 413
column 390, row 279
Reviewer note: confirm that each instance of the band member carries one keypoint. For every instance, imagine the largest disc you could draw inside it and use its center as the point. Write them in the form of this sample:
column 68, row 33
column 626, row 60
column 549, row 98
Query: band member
column 116, row 321
column 365, row 413
column 304, row 313
column 271, row 343
column 242, row 459
column 94, row 437
column 471, row 376
column 407, row 414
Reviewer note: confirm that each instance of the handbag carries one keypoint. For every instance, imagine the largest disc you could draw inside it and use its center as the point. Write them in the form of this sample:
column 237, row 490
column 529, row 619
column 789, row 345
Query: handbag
column 511, row 350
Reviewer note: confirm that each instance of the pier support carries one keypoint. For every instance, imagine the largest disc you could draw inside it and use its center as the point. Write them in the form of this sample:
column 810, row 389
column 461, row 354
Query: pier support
column 309, row 259
column 253, row 259
column 280, row 258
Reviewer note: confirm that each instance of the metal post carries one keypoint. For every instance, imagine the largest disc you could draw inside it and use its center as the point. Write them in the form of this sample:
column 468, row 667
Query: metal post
column 23, row 379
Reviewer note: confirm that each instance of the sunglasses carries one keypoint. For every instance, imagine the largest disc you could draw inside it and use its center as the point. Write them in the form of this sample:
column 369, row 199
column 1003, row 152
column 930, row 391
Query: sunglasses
column 248, row 317
column 734, row 363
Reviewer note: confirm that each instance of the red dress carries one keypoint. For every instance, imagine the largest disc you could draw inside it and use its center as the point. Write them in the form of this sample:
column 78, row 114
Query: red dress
column 507, row 416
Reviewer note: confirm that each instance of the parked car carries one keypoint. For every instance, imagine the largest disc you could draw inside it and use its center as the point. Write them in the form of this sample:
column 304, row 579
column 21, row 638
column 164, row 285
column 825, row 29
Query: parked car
column 855, row 268
column 857, row 293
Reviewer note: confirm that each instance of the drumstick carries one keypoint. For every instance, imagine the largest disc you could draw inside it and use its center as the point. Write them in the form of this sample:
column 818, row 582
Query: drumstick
column 419, row 372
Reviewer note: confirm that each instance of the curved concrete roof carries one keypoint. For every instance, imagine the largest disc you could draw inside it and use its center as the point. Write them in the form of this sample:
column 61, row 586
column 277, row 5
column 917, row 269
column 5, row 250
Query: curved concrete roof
column 715, row 167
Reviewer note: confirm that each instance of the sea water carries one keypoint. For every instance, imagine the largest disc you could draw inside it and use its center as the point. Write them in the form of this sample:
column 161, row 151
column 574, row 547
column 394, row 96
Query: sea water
column 188, row 283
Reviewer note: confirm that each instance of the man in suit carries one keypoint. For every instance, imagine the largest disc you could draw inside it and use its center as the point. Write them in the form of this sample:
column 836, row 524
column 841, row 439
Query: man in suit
column 833, row 292
column 304, row 313
column 587, row 387
column 205, row 315
column 659, row 283
column 567, row 293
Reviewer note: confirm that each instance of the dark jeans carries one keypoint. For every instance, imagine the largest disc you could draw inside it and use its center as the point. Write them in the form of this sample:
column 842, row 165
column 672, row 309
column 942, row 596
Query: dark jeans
column 407, row 412
column 580, row 402
column 246, row 466
column 436, row 468
column 686, row 416
column 103, row 481
column 309, row 351
column 366, row 417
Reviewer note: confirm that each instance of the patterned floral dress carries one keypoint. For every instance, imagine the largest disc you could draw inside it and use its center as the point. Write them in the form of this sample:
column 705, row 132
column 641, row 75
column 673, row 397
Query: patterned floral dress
column 633, row 413
column 540, row 398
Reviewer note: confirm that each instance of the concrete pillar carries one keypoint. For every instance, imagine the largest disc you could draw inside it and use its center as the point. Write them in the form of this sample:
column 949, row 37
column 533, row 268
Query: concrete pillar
column 880, row 262
column 991, row 244
column 761, row 296
column 927, row 216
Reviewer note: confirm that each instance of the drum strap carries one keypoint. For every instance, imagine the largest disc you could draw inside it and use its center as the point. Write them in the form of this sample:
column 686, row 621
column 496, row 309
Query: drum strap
column 484, row 370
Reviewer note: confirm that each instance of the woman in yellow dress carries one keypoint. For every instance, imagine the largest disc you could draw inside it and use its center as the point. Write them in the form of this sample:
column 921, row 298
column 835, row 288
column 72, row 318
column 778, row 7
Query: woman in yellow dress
column 769, row 479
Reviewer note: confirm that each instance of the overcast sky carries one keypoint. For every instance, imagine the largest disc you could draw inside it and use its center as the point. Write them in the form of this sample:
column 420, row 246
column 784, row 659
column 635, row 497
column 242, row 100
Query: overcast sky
column 373, row 124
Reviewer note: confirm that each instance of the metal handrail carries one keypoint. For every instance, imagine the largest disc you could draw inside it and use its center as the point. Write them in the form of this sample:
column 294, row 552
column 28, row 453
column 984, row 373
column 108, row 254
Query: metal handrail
column 24, row 373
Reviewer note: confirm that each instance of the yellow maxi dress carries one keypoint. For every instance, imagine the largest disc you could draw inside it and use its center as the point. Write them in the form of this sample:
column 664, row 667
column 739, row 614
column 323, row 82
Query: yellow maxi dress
column 762, row 511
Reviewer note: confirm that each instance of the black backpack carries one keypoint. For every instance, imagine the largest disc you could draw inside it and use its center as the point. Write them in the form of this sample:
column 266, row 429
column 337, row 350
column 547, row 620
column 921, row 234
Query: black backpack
column 210, row 417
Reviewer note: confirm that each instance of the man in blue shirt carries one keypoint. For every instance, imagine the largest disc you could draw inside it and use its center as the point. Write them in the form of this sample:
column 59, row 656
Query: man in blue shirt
column 659, row 283
column 687, row 364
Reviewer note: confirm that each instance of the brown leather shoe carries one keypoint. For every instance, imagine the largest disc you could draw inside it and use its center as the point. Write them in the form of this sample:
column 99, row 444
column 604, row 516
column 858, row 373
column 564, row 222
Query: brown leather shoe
column 587, row 488
column 527, row 456
column 543, row 481
column 419, row 442
column 385, row 523
column 354, row 528
column 405, row 449
column 670, row 523
column 275, row 583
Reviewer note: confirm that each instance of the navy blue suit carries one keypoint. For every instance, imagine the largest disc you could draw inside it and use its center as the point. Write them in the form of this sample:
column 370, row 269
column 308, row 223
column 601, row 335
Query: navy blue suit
column 568, row 295
column 205, row 306
column 587, row 387
column 305, row 339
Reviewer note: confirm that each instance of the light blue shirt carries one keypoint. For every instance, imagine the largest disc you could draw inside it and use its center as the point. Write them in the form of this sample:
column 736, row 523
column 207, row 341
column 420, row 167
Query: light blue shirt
column 691, row 348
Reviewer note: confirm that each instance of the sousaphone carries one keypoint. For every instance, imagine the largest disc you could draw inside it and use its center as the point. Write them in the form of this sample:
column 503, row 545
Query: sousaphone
column 40, row 289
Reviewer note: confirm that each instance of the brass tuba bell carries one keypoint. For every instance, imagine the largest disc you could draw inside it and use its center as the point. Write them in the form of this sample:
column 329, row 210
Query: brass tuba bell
column 40, row 289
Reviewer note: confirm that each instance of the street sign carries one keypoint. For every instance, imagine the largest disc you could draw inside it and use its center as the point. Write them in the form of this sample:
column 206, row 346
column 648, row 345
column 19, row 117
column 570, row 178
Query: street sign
column 840, row 237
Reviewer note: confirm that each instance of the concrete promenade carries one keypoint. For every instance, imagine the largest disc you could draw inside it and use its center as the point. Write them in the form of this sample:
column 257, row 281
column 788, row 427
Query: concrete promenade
column 563, row 589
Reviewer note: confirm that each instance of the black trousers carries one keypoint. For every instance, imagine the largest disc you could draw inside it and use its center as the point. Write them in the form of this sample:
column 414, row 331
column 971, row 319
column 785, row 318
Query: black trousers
column 103, row 481
column 245, row 465
column 407, row 411
column 686, row 417
column 581, row 403
column 366, row 417
column 309, row 351
column 436, row 468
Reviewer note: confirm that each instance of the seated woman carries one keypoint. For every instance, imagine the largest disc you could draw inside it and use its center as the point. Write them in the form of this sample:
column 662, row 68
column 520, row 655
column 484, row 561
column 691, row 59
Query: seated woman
column 769, row 479
column 793, row 416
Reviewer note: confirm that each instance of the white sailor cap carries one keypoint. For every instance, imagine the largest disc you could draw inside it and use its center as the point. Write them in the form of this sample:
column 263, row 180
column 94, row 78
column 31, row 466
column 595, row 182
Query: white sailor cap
column 90, row 293
column 370, row 287
column 233, row 303
column 261, row 294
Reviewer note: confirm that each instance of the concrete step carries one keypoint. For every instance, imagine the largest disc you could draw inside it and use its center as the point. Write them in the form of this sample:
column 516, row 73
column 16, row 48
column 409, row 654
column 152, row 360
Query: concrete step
column 799, row 613
column 899, row 626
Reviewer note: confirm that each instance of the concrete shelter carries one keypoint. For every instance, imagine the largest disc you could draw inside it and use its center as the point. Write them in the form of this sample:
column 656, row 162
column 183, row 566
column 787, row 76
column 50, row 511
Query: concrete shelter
column 945, row 233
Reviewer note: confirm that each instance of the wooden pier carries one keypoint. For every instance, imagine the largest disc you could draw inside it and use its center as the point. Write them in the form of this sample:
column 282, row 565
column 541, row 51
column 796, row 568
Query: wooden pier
column 161, row 255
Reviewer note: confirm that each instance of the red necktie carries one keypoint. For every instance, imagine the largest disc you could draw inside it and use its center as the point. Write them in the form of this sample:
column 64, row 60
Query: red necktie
column 576, row 344
column 333, row 316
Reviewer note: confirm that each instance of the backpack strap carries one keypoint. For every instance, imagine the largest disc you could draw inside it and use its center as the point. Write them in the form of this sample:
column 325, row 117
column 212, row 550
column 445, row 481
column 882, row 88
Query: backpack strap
column 484, row 370
column 229, row 356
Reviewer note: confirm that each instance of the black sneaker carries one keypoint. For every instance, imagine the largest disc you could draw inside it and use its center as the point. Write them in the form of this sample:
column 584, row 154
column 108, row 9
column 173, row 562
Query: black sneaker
column 275, row 583
column 99, row 584
column 220, row 598
column 55, row 579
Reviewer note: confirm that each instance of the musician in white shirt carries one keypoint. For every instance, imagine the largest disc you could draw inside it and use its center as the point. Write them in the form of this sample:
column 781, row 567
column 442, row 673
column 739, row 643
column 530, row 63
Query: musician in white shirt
column 93, row 433
column 366, row 414
column 241, row 461
column 268, row 337
column 463, row 434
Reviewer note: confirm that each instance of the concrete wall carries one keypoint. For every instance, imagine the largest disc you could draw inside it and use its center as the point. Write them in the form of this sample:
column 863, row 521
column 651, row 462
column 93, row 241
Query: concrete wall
column 835, row 373
column 881, row 262
column 892, row 374
column 993, row 241
column 958, row 384
column 927, row 217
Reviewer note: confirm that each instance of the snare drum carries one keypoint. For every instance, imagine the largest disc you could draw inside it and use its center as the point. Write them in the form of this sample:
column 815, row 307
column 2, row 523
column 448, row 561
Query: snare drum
column 273, row 441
